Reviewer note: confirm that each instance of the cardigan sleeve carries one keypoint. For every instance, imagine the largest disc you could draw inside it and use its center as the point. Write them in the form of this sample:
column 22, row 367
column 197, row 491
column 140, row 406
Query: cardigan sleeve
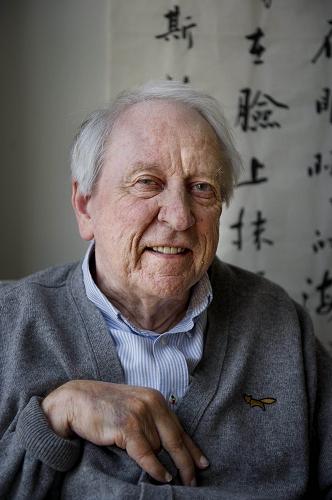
column 32, row 457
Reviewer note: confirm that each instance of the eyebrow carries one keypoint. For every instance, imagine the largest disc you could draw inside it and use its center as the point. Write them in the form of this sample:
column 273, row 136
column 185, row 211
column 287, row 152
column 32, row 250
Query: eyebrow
column 138, row 166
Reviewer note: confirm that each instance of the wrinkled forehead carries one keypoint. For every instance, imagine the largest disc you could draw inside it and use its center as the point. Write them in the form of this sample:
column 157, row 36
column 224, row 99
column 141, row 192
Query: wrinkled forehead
column 161, row 124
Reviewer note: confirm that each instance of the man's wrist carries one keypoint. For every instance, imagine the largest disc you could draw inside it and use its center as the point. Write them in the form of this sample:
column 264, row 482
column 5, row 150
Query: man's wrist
column 55, row 408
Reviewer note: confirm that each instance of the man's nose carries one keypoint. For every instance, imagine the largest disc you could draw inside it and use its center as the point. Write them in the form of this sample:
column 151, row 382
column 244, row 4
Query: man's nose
column 175, row 210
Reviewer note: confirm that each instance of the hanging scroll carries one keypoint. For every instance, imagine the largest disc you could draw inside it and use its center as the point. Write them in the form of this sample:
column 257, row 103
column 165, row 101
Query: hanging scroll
column 269, row 62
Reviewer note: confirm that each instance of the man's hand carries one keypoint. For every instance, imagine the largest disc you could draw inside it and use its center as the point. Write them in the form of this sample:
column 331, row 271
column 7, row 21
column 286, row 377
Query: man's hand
column 136, row 419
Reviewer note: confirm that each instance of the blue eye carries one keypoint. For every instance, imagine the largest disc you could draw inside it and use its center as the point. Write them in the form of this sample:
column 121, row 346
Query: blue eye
column 146, row 182
column 148, row 185
column 202, row 187
column 203, row 190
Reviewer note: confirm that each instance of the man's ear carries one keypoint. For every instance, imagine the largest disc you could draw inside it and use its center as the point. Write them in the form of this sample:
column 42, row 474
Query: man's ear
column 80, row 206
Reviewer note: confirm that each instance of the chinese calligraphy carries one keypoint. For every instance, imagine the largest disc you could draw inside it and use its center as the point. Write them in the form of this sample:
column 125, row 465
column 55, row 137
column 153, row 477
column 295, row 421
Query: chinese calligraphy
column 321, row 243
column 185, row 79
column 256, row 111
column 259, row 225
column 322, row 293
column 325, row 102
column 262, row 109
column 238, row 226
column 174, row 28
column 318, row 167
column 325, row 47
column 255, row 178
column 259, row 229
column 256, row 49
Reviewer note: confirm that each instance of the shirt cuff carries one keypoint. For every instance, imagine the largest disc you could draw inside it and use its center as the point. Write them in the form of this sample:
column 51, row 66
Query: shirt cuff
column 36, row 436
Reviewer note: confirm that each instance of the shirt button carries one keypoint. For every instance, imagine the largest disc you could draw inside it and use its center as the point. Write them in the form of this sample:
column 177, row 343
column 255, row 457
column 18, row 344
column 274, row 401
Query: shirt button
column 172, row 400
column 163, row 341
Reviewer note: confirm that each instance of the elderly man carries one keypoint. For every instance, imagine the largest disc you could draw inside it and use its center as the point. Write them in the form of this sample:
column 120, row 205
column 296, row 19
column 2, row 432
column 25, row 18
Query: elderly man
column 151, row 369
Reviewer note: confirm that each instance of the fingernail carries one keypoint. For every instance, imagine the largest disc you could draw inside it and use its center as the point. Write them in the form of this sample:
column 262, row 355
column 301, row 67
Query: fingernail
column 203, row 461
column 193, row 482
column 168, row 477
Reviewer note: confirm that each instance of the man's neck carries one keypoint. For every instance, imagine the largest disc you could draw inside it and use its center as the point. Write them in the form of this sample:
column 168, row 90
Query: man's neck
column 157, row 316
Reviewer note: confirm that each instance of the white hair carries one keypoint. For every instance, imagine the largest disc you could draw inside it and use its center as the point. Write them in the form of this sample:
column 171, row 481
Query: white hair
column 90, row 143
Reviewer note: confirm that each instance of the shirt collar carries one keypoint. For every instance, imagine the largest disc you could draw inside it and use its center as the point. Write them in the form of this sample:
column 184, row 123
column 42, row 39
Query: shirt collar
column 201, row 297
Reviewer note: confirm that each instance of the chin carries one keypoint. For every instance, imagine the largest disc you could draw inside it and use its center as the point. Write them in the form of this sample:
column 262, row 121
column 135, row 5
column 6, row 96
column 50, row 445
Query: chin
column 169, row 288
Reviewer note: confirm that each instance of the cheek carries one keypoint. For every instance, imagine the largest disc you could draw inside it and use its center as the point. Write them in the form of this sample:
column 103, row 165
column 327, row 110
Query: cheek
column 127, row 220
column 137, row 209
column 209, row 226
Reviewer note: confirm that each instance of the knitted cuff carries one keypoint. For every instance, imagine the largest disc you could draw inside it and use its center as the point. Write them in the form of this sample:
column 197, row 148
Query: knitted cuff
column 36, row 436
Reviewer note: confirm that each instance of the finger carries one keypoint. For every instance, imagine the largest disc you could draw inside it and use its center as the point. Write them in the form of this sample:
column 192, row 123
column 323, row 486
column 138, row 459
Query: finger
column 172, row 441
column 139, row 449
column 199, row 458
column 150, row 432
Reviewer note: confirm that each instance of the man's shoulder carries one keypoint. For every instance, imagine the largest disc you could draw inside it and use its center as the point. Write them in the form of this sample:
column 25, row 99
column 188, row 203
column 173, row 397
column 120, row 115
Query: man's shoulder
column 50, row 278
column 259, row 305
column 243, row 282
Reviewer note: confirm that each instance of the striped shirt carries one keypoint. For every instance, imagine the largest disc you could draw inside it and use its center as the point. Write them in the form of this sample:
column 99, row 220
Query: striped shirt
column 149, row 359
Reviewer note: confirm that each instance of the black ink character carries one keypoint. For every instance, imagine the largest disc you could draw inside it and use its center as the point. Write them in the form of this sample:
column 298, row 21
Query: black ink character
column 256, row 48
column 256, row 112
column 255, row 179
column 325, row 47
column 259, row 230
column 177, row 31
column 259, row 225
column 185, row 79
column 321, row 243
column 238, row 226
column 319, row 167
column 324, row 103
column 325, row 299
column 322, row 294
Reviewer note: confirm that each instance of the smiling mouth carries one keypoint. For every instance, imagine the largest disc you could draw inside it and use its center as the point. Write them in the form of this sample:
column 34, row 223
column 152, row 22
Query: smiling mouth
column 168, row 250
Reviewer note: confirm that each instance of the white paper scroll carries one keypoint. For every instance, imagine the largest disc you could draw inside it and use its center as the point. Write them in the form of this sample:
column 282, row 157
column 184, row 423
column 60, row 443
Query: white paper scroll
column 269, row 62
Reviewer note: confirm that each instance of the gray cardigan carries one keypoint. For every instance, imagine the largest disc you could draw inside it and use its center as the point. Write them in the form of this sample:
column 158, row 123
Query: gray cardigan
column 259, row 404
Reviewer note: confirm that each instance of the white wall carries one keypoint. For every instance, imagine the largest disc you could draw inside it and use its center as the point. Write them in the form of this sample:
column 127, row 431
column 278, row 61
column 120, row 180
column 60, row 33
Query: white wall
column 54, row 70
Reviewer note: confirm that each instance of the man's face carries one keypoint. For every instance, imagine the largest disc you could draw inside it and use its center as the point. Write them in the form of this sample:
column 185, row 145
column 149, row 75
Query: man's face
column 154, row 213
